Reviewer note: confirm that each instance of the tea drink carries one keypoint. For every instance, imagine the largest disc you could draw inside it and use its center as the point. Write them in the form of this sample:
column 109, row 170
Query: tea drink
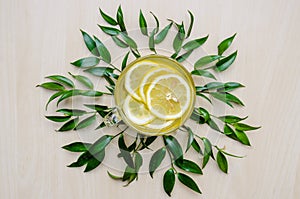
column 155, row 95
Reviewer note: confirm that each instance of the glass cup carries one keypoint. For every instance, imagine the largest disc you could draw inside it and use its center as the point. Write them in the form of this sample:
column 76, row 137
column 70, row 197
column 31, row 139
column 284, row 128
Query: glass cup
column 137, row 103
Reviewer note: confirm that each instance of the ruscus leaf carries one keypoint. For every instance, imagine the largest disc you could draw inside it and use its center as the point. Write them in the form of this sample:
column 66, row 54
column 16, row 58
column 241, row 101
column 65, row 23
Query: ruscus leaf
column 108, row 19
column 189, row 182
column 156, row 160
column 162, row 34
column 191, row 45
column 143, row 24
column 222, row 162
column 77, row 147
column 90, row 43
column 224, row 45
column 52, row 86
column 61, row 79
column 169, row 181
column 104, row 53
column 224, row 63
column 86, row 62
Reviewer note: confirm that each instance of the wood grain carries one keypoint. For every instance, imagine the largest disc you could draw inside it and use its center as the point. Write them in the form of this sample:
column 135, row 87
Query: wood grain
column 38, row 38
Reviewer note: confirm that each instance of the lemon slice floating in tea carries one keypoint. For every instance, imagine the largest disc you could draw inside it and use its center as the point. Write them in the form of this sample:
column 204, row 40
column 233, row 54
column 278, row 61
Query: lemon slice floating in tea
column 137, row 111
column 134, row 76
column 149, row 77
column 168, row 96
column 159, row 124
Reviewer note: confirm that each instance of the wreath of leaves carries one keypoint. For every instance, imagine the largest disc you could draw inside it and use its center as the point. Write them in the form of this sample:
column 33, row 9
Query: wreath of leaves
column 92, row 154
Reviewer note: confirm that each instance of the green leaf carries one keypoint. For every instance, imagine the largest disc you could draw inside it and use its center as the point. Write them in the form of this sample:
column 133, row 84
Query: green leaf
column 138, row 161
column 191, row 24
column 177, row 42
column 128, row 40
column 127, row 157
column 109, row 30
column 72, row 112
column 119, row 42
column 58, row 118
column 143, row 24
column 222, row 162
column 114, row 176
column 230, row 86
column 184, row 56
column 227, row 98
column 108, row 19
column 61, row 79
column 68, row 94
column 129, row 174
column 229, row 154
column 70, row 125
column 156, row 29
column 156, row 160
column 228, row 130
column 188, row 166
column 173, row 146
column 135, row 53
column 203, row 96
column 84, row 80
column 53, row 97
column 205, row 60
column 245, row 127
column 189, row 182
column 124, row 152
column 231, row 119
column 86, row 122
column 194, row 44
column 190, row 138
column 207, row 151
column 97, row 107
column 86, row 62
column 99, row 71
column 82, row 160
column 77, row 147
column 102, row 125
column 162, row 34
column 200, row 115
column 95, row 161
column 224, row 63
column 148, row 142
column 242, row 137
column 224, row 45
column 212, row 124
column 90, row 43
column 100, row 144
column 203, row 73
column 151, row 42
column 196, row 146
column 169, row 181
column 52, row 86
column 120, row 19
column 125, row 59
column 104, row 53
column 213, row 86
column 91, row 93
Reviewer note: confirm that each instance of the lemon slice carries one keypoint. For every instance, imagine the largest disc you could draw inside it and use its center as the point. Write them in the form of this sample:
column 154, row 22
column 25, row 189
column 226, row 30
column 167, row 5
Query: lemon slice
column 136, row 111
column 149, row 77
column 159, row 124
column 168, row 96
column 135, row 75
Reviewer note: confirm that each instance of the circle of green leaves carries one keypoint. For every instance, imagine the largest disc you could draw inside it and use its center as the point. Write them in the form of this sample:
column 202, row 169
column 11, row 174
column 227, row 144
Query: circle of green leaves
column 92, row 154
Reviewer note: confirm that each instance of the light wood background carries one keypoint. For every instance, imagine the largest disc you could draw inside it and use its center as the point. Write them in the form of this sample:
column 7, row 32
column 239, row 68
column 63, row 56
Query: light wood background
column 38, row 38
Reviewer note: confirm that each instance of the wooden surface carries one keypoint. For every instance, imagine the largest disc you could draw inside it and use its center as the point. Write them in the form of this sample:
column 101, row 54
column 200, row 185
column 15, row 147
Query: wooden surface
column 38, row 38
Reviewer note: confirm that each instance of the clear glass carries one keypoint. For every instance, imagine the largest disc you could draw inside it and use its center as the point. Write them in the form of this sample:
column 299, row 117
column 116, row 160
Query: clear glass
column 121, row 94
